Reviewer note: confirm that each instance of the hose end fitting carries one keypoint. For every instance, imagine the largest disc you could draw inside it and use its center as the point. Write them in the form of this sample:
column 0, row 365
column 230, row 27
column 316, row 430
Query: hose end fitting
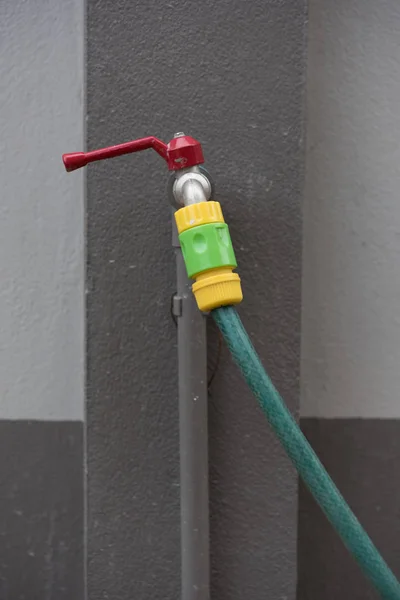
column 217, row 287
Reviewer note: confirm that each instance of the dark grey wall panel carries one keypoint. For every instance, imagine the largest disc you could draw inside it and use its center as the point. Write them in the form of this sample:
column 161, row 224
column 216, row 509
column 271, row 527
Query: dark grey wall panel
column 41, row 510
column 230, row 73
column 362, row 457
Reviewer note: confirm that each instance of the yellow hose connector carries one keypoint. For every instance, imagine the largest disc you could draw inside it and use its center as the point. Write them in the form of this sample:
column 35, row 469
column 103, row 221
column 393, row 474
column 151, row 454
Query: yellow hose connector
column 208, row 254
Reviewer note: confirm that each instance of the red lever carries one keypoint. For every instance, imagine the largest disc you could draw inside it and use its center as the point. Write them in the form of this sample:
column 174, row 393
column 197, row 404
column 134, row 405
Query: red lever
column 180, row 153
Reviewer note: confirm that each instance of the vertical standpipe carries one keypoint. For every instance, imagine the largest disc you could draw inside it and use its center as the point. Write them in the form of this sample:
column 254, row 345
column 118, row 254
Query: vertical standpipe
column 193, row 414
column 193, row 436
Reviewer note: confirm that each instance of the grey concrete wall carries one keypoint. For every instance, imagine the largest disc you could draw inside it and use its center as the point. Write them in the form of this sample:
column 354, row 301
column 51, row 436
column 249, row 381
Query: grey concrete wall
column 351, row 313
column 41, row 224
column 351, row 285
column 238, row 85
column 232, row 75
column 41, row 301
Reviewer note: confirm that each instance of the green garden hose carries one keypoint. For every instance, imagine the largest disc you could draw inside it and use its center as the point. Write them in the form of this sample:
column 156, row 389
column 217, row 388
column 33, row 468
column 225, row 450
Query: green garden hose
column 303, row 456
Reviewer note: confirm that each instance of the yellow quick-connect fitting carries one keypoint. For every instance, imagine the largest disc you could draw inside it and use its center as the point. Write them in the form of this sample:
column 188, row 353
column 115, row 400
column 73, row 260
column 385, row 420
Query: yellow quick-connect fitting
column 208, row 254
column 201, row 213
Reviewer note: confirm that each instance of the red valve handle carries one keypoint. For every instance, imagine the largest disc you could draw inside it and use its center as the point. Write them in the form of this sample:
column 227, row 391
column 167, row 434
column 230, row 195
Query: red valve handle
column 180, row 153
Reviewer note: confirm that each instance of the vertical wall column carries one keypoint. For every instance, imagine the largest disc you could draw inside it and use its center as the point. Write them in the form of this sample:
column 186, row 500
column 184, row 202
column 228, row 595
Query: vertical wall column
column 231, row 74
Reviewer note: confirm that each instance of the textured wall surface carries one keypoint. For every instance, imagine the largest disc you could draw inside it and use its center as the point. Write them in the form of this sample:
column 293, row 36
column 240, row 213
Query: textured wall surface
column 351, row 285
column 41, row 301
column 231, row 74
column 41, row 510
column 351, row 313
column 41, row 216
column 362, row 456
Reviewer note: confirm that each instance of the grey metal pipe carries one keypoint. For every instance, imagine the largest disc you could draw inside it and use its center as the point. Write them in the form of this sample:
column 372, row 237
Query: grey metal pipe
column 193, row 398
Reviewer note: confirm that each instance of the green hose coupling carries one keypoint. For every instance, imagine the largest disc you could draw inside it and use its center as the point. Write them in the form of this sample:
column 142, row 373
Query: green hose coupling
column 207, row 247
column 208, row 253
